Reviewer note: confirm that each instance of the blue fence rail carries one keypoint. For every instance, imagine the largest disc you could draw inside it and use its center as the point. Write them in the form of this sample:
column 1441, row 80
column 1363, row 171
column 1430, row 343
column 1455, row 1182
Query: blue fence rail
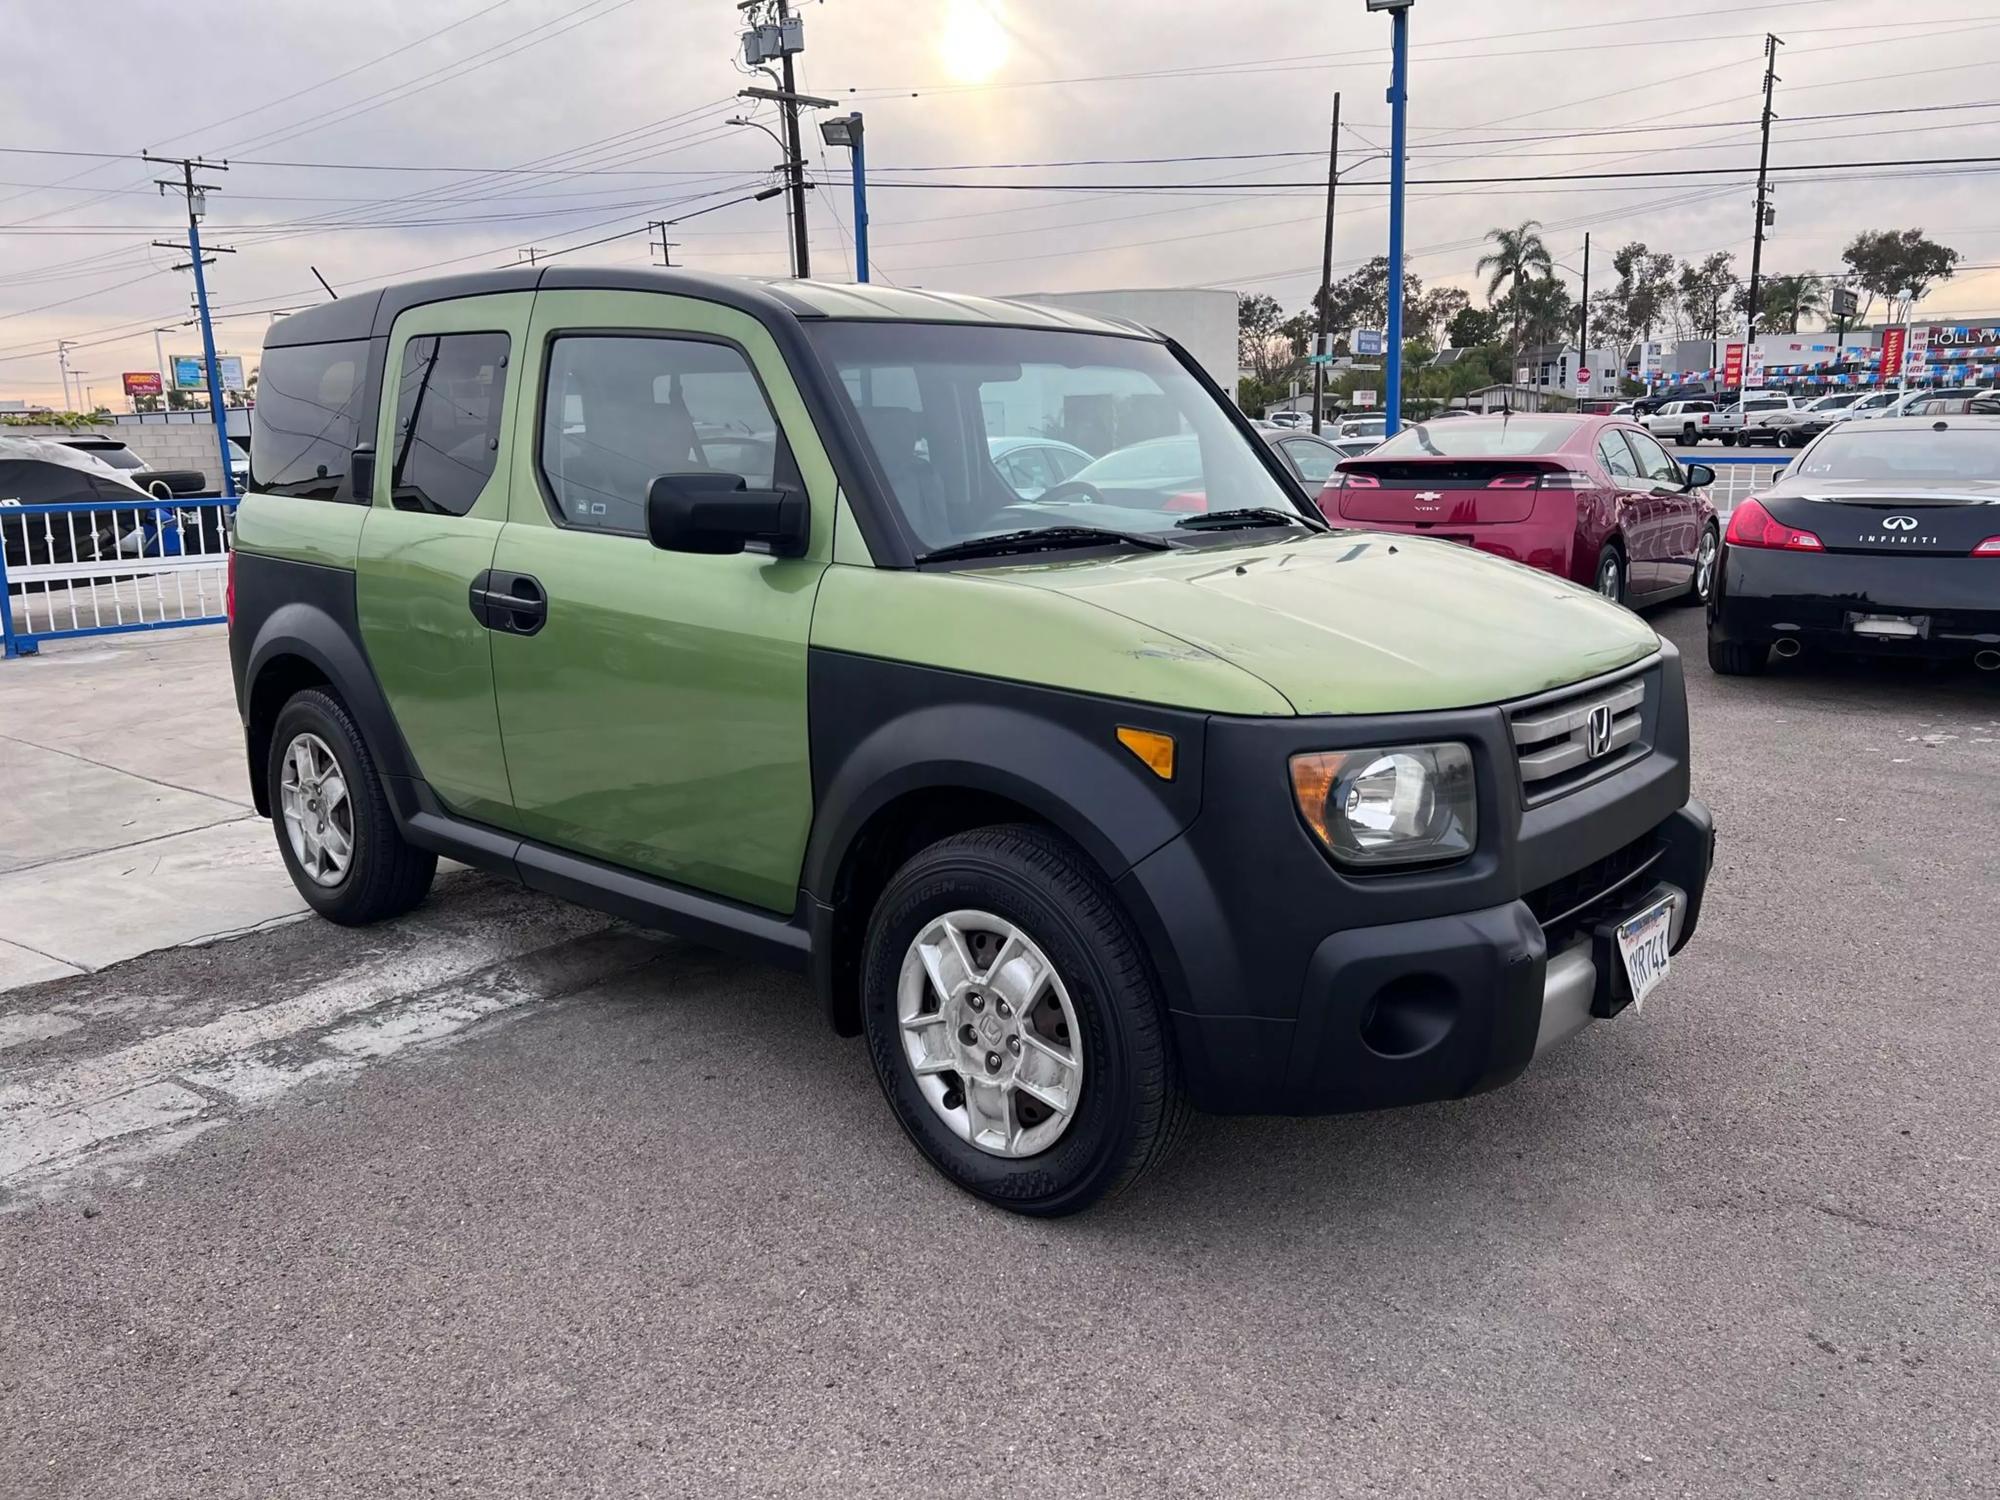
column 106, row 567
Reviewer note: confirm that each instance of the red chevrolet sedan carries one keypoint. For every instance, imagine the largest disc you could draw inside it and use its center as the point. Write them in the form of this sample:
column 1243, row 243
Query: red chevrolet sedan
column 1592, row 499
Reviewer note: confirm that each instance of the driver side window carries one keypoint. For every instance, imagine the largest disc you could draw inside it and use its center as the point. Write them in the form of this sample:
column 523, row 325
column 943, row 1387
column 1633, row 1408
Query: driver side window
column 618, row 411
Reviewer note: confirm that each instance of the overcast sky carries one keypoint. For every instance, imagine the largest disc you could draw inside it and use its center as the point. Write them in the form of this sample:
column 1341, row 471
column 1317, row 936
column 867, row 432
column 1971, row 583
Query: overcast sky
column 630, row 98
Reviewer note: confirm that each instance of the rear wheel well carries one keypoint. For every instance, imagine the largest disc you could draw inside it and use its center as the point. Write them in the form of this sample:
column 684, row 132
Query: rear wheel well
column 281, row 678
column 886, row 841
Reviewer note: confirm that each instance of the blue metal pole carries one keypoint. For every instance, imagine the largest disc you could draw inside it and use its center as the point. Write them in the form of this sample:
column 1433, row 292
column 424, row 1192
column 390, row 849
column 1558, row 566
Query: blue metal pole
column 208, row 355
column 1399, row 81
column 860, row 204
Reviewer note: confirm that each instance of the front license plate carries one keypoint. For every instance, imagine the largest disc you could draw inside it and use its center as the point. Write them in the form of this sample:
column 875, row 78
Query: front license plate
column 1642, row 944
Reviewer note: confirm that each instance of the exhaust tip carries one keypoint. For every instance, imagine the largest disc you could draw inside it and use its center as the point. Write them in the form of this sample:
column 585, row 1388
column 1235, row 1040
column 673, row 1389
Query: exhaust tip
column 1987, row 661
column 1788, row 647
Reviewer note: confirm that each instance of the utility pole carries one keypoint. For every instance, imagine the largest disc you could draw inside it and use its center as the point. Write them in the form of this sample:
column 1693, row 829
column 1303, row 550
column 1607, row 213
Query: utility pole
column 1583, row 307
column 166, row 375
column 528, row 255
column 196, row 194
column 1772, row 42
column 792, row 149
column 665, row 246
column 1321, row 348
column 63, row 346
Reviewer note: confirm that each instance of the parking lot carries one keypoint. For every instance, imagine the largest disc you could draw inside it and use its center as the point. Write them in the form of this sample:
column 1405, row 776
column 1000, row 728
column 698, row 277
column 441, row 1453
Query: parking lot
column 504, row 1199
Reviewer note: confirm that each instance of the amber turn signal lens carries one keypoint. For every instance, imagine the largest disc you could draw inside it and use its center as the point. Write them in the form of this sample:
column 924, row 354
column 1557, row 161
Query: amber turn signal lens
column 1156, row 750
column 1312, row 779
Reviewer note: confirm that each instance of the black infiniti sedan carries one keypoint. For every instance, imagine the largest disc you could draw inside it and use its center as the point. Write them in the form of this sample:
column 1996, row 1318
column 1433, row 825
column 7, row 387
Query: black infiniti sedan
column 1882, row 537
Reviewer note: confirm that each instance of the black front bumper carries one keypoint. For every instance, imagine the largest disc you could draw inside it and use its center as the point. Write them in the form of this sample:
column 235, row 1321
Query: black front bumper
column 1816, row 598
column 1296, row 988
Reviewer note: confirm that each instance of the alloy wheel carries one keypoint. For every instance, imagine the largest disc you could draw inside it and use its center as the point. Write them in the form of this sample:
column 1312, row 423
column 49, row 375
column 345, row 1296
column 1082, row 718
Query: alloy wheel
column 1611, row 578
column 990, row 1033
column 319, row 816
column 1704, row 566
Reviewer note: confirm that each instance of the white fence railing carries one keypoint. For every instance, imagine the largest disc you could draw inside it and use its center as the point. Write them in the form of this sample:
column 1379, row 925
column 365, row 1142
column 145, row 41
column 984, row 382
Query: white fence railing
column 1737, row 478
column 105, row 567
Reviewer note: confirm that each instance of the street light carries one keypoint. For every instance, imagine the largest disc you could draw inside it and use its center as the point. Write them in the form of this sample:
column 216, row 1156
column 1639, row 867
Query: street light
column 846, row 130
column 791, row 235
column 1399, row 91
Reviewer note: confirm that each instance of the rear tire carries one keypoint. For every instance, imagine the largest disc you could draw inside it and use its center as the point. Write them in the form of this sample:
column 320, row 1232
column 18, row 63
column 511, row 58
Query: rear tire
column 1023, row 889
column 1613, row 583
column 1729, row 440
column 1737, row 658
column 1690, row 436
column 325, row 794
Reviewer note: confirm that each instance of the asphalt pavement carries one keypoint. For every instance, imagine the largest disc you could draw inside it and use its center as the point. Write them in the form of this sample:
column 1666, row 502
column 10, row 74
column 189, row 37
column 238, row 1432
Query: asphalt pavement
column 505, row 1200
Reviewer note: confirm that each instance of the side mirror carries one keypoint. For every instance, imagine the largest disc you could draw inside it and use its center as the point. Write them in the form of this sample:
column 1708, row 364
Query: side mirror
column 361, row 473
column 1698, row 477
column 717, row 514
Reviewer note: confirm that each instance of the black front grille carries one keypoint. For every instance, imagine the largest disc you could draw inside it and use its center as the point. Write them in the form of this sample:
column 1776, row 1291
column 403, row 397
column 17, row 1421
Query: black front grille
column 1577, row 902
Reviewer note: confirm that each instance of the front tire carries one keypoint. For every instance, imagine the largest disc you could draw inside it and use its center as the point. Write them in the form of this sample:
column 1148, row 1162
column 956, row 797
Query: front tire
column 1015, row 1025
column 1611, row 576
column 336, row 833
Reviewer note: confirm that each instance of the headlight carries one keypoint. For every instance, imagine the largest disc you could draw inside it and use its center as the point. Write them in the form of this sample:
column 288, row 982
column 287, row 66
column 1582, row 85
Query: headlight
column 1401, row 805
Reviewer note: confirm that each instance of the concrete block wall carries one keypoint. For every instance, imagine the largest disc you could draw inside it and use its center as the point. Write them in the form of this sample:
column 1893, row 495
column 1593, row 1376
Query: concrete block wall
column 190, row 446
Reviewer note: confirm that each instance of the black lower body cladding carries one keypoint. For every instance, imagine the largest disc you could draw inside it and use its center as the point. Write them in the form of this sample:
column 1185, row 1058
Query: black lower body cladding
column 1292, row 986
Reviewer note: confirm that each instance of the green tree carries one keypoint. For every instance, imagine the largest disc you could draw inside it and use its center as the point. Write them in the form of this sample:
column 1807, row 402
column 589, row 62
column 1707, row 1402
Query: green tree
column 1541, row 310
column 1516, row 255
column 1645, row 287
column 1471, row 326
column 1704, row 291
column 1261, row 347
column 1897, row 265
column 1783, row 301
column 1428, row 314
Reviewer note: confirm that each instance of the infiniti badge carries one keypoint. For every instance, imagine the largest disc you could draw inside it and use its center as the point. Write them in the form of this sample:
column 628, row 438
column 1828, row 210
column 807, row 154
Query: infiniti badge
column 1899, row 523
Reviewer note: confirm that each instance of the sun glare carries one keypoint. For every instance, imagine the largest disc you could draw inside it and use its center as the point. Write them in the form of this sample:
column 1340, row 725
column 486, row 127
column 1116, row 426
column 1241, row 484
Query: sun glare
column 972, row 44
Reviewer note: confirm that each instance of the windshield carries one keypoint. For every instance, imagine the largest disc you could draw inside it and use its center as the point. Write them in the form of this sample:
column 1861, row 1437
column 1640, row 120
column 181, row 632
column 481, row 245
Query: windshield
column 1491, row 437
column 932, row 397
column 1924, row 456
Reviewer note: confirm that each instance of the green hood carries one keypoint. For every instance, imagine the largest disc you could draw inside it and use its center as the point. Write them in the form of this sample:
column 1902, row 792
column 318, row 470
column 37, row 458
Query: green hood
column 1360, row 622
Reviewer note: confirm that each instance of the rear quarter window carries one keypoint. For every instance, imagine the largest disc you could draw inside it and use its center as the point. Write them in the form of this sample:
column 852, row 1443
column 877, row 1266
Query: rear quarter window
column 307, row 419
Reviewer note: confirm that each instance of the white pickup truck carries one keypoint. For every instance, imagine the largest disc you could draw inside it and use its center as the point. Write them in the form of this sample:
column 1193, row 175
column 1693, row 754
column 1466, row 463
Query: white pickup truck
column 1680, row 421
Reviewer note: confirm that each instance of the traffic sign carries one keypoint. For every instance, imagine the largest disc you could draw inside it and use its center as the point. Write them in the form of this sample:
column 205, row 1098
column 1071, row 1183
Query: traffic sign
column 1363, row 397
column 1365, row 341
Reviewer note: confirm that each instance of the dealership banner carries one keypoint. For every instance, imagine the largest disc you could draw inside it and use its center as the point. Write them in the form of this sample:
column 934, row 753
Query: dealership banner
column 1892, row 353
column 1732, row 366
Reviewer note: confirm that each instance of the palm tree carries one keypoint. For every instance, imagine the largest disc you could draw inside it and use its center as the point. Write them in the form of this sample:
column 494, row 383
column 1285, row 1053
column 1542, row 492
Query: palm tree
column 1790, row 300
column 1516, row 252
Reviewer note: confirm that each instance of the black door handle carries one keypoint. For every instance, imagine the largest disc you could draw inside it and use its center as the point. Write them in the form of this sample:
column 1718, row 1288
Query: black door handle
column 509, row 602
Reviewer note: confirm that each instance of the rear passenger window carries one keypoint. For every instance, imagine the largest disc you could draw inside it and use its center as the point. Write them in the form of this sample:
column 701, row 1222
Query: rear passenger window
column 448, row 401
column 304, row 423
column 620, row 411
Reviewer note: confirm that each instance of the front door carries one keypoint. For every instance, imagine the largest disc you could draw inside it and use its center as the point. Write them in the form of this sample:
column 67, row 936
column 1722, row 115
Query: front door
column 442, row 470
column 1668, row 563
column 655, row 715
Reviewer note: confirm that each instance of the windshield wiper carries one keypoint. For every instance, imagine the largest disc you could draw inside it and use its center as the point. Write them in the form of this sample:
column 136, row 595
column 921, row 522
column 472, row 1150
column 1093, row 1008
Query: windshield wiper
column 1249, row 515
column 1042, row 539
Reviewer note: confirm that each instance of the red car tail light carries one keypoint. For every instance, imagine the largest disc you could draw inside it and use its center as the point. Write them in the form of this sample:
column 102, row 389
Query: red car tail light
column 1514, row 482
column 1750, row 525
column 1344, row 480
column 1988, row 548
column 1567, row 479
column 1189, row 502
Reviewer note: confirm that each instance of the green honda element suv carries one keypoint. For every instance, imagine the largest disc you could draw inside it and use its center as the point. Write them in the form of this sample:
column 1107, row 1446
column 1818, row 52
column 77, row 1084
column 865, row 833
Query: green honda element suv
column 1087, row 798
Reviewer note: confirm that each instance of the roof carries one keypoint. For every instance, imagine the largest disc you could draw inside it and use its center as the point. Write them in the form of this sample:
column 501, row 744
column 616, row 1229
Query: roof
column 365, row 314
column 1923, row 424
